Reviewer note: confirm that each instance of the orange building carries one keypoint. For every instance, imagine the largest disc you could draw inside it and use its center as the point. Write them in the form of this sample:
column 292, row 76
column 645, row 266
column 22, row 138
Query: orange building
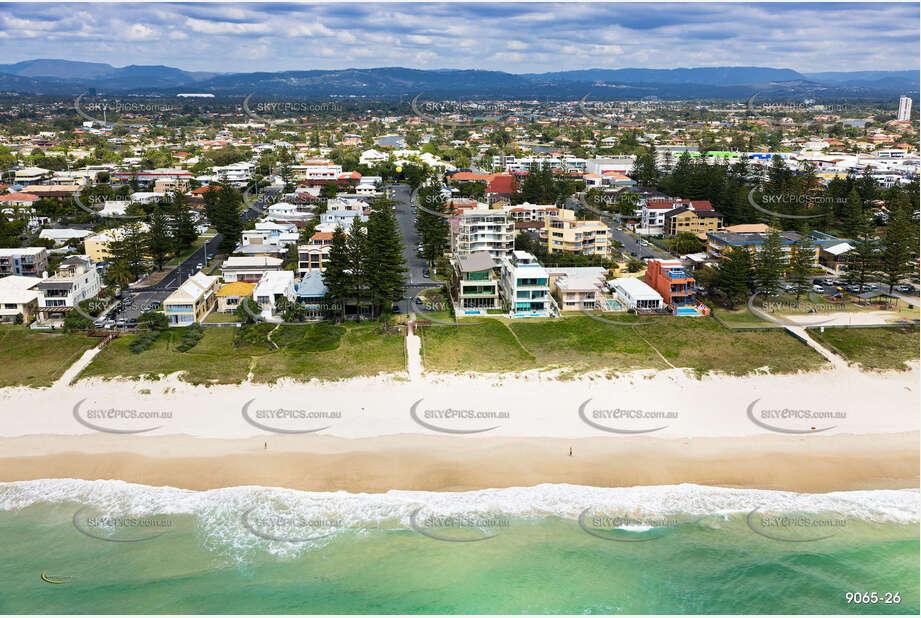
column 668, row 278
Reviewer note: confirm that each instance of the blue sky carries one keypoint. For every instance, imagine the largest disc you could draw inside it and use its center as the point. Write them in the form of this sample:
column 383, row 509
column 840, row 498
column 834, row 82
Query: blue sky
column 519, row 38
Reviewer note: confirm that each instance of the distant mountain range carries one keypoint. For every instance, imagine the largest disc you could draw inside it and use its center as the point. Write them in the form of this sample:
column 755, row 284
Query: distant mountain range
column 65, row 77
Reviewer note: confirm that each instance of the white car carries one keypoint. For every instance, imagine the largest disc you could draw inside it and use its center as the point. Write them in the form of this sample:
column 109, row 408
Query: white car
column 818, row 289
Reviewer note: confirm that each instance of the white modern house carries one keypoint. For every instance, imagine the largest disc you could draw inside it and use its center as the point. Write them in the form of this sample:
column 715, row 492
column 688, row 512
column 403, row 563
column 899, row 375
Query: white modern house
column 192, row 301
column 636, row 294
column 272, row 287
column 525, row 286
column 75, row 280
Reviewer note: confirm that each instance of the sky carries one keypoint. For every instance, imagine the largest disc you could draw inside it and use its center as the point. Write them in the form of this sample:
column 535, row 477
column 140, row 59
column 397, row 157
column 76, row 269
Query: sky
column 518, row 38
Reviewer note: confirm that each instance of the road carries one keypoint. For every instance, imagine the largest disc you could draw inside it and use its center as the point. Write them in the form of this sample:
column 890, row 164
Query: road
column 402, row 195
column 142, row 296
column 629, row 241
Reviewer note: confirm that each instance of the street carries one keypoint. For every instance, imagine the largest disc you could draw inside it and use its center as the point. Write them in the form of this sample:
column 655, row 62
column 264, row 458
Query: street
column 402, row 195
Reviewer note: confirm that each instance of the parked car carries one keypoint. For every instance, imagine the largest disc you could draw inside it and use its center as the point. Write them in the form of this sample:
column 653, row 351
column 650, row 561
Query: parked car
column 395, row 309
column 426, row 273
column 818, row 281
column 198, row 266
column 417, row 300
column 905, row 289
column 131, row 323
column 818, row 289
column 828, row 282
column 129, row 301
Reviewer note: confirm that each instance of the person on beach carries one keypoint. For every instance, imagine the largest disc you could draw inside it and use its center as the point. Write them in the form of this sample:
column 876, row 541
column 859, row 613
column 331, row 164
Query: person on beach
column 570, row 451
column 265, row 446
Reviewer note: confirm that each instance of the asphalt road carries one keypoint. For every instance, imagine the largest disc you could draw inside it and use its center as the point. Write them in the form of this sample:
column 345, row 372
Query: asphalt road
column 402, row 195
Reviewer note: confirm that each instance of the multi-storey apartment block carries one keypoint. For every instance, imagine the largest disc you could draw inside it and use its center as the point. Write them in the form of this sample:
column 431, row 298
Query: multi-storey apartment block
column 25, row 262
column 525, row 286
column 483, row 230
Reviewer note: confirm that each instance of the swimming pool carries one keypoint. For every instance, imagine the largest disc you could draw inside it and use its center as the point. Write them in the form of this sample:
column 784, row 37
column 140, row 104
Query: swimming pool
column 613, row 305
column 686, row 311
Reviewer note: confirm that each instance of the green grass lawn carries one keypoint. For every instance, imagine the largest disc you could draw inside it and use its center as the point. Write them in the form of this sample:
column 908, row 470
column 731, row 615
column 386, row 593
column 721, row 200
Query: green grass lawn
column 582, row 344
column 330, row 352
column 214, row 360
column 479, row 344
column 873, row 348
column 38, row 358
column 226, row 355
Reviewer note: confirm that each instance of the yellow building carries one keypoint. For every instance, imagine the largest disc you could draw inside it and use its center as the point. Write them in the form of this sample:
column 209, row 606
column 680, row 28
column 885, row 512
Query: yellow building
column 231, row 294
column 563, row 232
column 97, row 245
column 192, row 301
column 683, row 219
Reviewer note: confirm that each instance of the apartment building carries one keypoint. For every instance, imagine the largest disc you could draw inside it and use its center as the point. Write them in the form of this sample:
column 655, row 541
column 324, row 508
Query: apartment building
column 652, row 211
column 482, row 230
column 313, row 255
column 475, row 283
column 192, row 301
column 525, row 286
column 25, row 261
column 528, row 212
column 564, row 233
column 31, row 175
column 97, row 245
column 718, row 243
column 248, row 268
column 76, row 279
column 684, row 219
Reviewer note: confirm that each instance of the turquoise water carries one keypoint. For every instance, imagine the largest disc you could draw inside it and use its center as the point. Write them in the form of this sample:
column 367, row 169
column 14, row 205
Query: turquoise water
column 680, row 549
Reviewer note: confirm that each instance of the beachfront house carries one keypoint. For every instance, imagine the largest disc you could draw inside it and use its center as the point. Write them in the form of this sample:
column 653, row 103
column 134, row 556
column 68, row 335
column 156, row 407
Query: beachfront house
column 635, row 294
column 192, row 301
column 475, row 285
column 274, row 286
column 525, row 286
column 76, row 279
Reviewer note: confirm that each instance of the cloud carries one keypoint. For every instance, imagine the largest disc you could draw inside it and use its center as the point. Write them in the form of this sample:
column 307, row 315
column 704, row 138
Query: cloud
column 519, row 38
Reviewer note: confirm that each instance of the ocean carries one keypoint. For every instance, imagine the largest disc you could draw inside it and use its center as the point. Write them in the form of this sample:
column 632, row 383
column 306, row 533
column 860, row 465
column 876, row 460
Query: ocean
column 72, row 546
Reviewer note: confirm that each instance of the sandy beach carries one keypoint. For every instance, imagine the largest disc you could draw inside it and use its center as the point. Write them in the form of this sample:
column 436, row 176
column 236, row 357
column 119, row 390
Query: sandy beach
column 833, row 430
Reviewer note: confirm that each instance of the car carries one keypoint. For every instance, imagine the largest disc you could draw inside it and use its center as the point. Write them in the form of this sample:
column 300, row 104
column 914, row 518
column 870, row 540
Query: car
column 209, row 257
column 129, row 301
column 198, row 266
column 818, row 281
column 395, row 309
column 131, row 323
column 426, row 273
column 110, row 324
column 818, row 289
column 828, row 282
column 417, row 300
column 633, row 253
column 852, row 288
column 99, row 323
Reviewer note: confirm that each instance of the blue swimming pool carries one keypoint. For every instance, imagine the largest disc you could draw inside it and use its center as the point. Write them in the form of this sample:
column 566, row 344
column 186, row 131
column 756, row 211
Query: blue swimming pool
column 686, row 311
